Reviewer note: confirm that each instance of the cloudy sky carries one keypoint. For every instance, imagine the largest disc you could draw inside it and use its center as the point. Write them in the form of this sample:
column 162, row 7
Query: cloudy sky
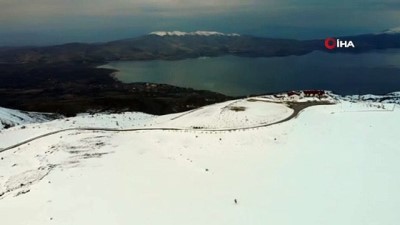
column 41, row 22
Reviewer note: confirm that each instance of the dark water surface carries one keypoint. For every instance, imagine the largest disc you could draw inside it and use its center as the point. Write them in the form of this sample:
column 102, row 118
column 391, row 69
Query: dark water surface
column 374, row 73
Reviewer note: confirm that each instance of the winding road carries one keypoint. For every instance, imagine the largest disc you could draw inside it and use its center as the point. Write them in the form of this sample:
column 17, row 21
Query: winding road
column 297, row 108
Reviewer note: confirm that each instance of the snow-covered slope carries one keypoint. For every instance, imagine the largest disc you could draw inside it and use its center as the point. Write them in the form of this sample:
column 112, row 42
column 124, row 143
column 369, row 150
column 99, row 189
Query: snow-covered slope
column 199, row 33
column 228, row 115
column 331, row 164
column 389, row 98
column 10, row 117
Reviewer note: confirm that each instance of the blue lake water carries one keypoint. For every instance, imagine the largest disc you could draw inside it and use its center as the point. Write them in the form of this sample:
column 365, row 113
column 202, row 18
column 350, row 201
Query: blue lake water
column 375, row 72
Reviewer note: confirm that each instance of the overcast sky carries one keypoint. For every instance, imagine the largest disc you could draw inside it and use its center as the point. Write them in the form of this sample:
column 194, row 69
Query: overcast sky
column 41, row 22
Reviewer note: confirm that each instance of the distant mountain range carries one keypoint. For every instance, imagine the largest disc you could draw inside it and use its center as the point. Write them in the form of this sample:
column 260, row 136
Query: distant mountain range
column 180, row 45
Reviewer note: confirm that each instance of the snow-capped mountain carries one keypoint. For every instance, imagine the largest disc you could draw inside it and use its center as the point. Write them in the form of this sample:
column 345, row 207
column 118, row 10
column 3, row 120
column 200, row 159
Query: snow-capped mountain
column 172, row 45
column 199, row 33
column 10, row 117
column 395, row 30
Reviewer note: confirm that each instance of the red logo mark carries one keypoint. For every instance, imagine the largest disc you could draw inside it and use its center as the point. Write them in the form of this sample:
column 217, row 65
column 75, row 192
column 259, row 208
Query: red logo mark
column 330, row 43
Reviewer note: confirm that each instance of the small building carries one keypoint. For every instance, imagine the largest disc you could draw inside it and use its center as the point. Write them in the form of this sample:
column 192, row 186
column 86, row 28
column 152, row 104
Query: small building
column 314, row 93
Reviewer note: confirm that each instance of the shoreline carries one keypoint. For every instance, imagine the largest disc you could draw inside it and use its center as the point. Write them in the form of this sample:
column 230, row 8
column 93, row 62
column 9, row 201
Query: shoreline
column 69, row 89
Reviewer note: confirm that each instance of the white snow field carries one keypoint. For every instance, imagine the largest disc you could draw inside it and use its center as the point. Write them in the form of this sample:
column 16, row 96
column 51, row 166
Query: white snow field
column 228, row 115
column 332, row 164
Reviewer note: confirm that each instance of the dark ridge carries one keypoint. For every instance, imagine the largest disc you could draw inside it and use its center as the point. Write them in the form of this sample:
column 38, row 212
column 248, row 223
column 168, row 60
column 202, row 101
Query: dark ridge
column 69, row 89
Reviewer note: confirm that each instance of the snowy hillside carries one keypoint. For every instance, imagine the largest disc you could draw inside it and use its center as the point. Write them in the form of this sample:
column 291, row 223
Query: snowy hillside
column 389, row 98
column 10, row 118
column 199, row 33
column 284, row 159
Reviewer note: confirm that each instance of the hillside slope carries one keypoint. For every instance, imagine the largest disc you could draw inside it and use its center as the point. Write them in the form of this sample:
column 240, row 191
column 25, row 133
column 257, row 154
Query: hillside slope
column 181, row 45
column 331, row 164
column 10, row 117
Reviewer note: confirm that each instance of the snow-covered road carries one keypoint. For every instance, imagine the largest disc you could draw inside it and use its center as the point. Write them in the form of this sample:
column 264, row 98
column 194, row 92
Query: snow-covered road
column 296, row 110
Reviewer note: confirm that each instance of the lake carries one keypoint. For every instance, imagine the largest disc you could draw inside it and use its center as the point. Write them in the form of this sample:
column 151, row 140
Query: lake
column 374, row 73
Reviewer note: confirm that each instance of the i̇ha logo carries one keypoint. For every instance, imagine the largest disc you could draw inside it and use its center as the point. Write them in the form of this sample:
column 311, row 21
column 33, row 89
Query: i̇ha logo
column 332, row 43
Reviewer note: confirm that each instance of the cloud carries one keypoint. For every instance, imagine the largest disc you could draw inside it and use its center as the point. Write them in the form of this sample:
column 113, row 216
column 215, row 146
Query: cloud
column 21, row 9
column 284, row 18
column 25, row 11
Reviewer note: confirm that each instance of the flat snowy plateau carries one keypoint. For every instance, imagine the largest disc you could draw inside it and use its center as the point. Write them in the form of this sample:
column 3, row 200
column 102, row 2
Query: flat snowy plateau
column 285, row 161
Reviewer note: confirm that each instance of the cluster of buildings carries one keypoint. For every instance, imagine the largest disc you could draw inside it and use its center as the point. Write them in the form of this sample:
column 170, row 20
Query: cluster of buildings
column 308, row 93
